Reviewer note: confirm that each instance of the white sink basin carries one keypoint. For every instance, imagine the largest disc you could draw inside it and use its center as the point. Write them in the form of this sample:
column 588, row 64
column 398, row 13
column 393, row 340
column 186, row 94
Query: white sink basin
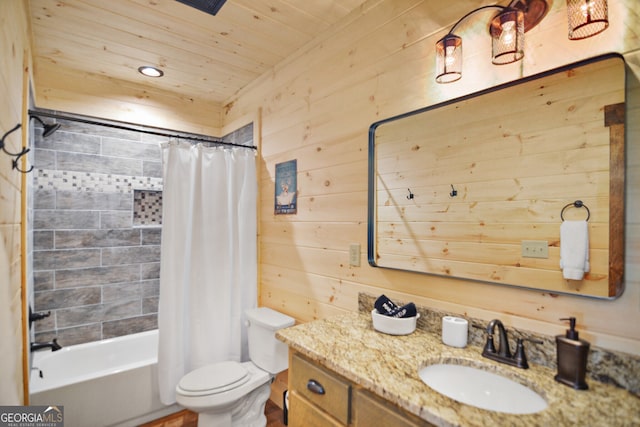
column 482, row 389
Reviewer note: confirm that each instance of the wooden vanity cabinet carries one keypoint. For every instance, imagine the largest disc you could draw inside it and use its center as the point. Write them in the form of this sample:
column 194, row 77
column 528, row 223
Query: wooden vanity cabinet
column 319, row 397
column 370, row 410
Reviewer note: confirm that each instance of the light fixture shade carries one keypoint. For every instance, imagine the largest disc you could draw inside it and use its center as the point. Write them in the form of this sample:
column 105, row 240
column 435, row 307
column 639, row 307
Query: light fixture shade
column 449, row 59
column 587, row 18
column 507, row 36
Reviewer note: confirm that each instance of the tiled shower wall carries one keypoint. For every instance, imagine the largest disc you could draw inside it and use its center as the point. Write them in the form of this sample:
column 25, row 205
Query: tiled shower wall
column 96, row 230
column 93, row 268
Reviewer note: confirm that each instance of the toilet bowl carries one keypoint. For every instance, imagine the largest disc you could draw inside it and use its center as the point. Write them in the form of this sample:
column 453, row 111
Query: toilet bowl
column 229, row 394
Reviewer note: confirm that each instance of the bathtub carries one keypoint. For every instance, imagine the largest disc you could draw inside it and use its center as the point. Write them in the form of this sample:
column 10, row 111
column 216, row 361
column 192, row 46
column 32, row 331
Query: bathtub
column 104, row 383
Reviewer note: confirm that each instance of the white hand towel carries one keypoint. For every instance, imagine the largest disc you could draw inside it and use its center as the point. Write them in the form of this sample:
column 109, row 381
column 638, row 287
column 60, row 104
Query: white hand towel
column 574, row 249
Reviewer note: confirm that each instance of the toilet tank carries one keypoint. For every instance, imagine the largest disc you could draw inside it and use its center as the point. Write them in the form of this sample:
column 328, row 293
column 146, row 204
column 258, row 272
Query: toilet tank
column 265, row 350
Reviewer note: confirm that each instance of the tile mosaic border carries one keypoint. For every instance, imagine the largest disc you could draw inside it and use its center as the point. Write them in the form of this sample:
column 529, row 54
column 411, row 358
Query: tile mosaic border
column 48, row 179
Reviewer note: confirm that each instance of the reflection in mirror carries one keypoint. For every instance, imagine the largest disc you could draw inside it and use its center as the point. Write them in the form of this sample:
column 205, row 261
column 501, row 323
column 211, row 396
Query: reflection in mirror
column 474, row 188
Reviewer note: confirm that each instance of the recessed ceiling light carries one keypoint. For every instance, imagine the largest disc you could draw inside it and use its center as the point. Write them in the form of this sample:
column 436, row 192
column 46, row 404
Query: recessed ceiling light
column 150, row 71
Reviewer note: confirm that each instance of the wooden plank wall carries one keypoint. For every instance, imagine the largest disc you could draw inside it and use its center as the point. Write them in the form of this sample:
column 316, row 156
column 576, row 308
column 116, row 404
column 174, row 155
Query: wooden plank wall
column 317, row 107
column 14, row 50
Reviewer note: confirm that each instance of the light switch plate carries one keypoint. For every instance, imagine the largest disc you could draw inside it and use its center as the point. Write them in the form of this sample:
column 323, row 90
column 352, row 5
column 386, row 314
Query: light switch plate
column 354, row 255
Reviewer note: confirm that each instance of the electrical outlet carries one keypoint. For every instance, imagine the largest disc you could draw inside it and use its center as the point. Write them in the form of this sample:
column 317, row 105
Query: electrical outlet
column 535, row 249
column 354, row 255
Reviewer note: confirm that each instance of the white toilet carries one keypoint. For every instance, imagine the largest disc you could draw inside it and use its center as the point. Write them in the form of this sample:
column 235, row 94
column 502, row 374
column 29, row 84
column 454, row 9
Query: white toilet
column 233, row 393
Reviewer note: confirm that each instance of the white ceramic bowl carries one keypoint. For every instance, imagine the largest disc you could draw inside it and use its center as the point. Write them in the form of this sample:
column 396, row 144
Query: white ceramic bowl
column 393, row 325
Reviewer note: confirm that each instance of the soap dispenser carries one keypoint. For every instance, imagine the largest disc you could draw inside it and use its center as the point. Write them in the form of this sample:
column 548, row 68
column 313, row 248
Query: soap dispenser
column 572, row 357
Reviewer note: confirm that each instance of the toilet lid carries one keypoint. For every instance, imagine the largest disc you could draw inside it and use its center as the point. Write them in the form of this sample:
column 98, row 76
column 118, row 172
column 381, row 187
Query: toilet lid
column 215, row 378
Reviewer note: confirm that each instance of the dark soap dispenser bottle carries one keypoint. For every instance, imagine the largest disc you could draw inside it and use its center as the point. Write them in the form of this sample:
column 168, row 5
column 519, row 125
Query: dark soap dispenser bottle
column 572, row 357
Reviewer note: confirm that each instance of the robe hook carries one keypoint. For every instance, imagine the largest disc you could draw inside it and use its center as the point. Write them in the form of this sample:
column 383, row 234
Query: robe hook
column 410, row 196
column 25, row 150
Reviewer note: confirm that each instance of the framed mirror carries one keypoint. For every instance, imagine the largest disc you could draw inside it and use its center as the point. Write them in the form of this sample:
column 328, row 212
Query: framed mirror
column 477, row 187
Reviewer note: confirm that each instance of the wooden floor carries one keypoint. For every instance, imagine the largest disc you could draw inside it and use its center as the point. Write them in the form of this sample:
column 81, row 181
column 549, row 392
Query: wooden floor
column 187, row 418
column 274, row 415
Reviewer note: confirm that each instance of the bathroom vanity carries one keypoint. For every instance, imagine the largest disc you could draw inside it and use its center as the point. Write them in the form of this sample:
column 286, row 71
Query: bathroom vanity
column 369, row 378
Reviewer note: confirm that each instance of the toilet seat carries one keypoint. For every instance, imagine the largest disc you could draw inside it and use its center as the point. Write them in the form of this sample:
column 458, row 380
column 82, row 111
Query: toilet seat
column 214, row 379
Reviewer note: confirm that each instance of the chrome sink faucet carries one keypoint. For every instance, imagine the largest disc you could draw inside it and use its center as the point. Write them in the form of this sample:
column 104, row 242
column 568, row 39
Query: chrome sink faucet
column 503, row 353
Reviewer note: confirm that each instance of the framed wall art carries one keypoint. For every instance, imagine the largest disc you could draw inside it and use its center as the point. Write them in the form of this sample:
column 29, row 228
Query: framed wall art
column 286, row 188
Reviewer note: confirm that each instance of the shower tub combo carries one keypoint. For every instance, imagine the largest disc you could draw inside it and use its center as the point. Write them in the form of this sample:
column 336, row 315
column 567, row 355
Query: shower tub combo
column 104, row 383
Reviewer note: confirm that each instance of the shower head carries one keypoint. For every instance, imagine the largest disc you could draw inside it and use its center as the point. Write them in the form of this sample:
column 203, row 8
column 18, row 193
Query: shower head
column 48, row 128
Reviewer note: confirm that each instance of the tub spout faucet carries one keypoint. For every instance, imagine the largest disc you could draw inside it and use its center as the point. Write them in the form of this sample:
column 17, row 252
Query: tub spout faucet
column 53, row 345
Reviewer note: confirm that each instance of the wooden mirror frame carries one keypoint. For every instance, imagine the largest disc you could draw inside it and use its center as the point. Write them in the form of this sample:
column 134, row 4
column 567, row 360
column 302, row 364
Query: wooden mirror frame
column 407, row 239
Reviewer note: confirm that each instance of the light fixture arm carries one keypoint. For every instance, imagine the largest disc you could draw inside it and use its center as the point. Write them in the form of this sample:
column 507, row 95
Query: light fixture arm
column 491, row 6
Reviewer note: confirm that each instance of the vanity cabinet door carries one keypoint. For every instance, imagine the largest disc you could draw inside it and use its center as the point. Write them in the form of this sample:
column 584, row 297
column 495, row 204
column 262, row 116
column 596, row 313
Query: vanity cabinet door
column 302, row 413
column 321, row 388
column 370, row 411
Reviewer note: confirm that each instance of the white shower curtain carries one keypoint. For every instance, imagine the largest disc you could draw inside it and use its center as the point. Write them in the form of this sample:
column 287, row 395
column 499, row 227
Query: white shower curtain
column 208, row 261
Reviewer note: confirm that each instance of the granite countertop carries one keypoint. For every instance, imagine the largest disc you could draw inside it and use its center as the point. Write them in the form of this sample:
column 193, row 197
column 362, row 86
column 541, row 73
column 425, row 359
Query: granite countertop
column 388, row 366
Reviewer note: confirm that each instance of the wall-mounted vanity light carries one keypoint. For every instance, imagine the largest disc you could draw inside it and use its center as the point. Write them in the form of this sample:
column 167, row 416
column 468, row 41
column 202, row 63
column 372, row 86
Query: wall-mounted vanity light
column 507, row 28
column 150, row 71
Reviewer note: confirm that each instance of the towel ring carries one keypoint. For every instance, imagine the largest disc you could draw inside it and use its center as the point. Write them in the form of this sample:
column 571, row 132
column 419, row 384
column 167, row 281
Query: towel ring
column 576, row 204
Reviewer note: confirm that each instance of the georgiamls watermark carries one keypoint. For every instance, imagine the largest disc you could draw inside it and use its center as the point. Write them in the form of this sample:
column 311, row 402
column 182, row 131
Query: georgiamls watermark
column 31, row 416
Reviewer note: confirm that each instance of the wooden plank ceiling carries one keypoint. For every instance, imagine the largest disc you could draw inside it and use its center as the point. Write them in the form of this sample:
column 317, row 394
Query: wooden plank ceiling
column 202, row 56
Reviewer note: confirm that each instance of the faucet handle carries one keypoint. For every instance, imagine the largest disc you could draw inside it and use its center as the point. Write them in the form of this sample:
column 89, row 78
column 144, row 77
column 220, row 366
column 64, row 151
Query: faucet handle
column 489, row 346
column 37, row 316
column 521, row 357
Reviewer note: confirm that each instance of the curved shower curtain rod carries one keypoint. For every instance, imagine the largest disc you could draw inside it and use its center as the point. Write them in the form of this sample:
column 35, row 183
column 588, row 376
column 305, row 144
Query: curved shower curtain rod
column 138, row 128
